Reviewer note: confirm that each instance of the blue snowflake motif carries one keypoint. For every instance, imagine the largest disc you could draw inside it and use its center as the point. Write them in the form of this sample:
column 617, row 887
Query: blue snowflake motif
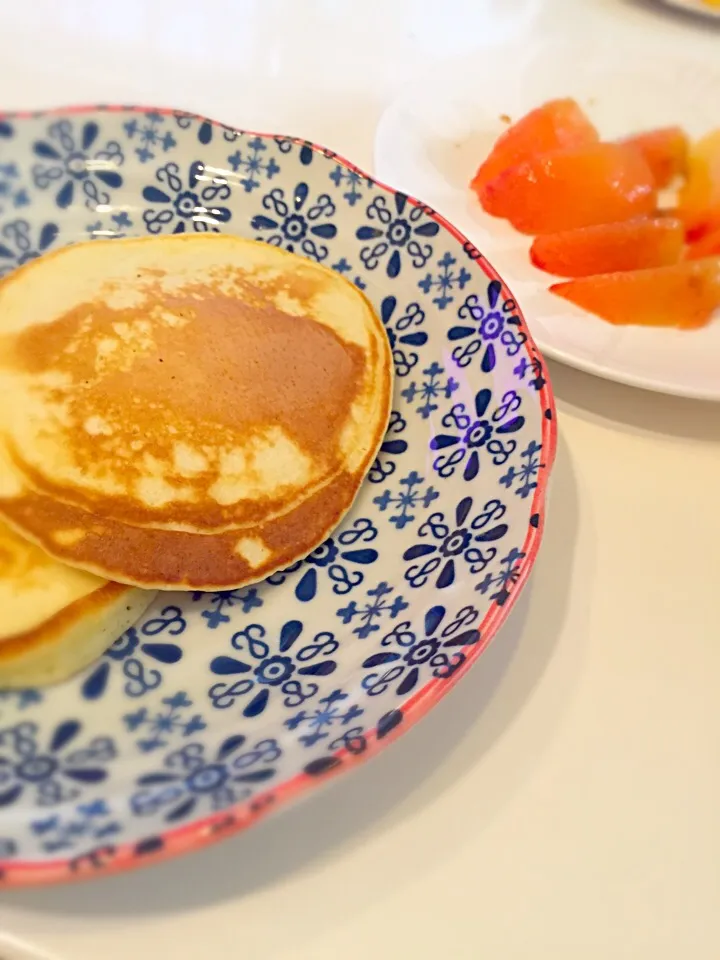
column 165, row 723
column 367, row 616
column 466, row 435
column 532, row 368
column 89, row 823
column 489, row 326
column 330, row 714
column 245, row 600
column 431, row 388
column 445, row 546
column 526, row 476
column 126, row 650
column 392, row 446
column 190, row 779
column 406, row 655
column 70, row 159
column 12, row 194
column 343, row 267
column 20, row 699
column 298, row 223
column 502, row 581
column 54, row 774
column 252, row 164
column 399, row 231
column 403, row 332
column 21, row 243
column 445, row 282
column 337, row 558
column 352, row 182
column 190, row 201
column 120, row 224
column 409, row 498
column 264, row 671
column 150, row 134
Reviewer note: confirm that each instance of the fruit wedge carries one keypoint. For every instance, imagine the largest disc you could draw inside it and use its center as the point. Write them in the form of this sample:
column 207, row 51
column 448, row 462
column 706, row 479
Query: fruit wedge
column 684, row 295
column 707, row 246
column 555, row 125
column 609, row 247
column 699, row 197
column 599, row 183
column 666, row 152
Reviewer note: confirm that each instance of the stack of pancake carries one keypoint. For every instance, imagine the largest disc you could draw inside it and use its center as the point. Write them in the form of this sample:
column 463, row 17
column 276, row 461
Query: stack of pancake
column 176, row 413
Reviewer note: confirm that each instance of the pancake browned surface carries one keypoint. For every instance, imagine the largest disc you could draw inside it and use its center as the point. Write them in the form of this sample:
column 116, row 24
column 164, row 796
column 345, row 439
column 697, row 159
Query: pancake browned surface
column 55, row 620
column 185, row 394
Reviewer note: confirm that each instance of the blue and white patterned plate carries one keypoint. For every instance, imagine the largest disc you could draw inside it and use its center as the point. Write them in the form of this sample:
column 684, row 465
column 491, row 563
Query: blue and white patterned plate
column 217, row 708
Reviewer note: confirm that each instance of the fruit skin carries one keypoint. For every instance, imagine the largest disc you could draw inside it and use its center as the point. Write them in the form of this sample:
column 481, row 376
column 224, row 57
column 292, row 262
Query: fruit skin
column 699, row 197
column 599, row 183
column 610, row 247
column 684, row 295
column 707, row 246
column 666, row 152
column 555, row 125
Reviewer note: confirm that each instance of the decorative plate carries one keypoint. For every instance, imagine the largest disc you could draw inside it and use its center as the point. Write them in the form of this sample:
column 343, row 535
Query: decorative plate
column 433, row 137
column 218, row 708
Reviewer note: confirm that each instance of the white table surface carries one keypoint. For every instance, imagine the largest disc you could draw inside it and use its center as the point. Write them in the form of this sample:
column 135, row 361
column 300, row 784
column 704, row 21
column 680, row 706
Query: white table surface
column 564, row 800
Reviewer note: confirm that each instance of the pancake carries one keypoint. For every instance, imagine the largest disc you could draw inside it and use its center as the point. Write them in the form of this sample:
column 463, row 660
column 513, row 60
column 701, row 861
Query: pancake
column 54, row 620
column 195, row 383
column 185, row 412
column 172, row 560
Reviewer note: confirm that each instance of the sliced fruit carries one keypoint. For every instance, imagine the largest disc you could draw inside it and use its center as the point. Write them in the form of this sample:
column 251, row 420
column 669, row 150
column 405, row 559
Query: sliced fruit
column 699, row 197
column 665, row 151
column 600, row 183
column 684, row 295
column 707, row 246
column 609, row 247
column 555, row 125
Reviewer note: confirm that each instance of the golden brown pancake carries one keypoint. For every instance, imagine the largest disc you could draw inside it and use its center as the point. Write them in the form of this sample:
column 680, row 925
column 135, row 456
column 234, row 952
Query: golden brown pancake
column 55, row 620
column 185, row 394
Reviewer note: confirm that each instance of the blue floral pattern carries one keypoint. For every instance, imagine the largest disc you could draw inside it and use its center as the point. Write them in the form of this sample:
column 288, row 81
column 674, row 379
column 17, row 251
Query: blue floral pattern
column 131, row 652
column 404, row 652
column 342, row 559
column 20, row 243
column 52, row 772
column 392, row 446
column 264, row 671
column 191, row 779
column 396, row 233
column 216, row 706
column 482, row 429
column 298, row 222
column 445, row 546
column 404, row 333
column 486, row 327
column 189, row 200
column 72, row 158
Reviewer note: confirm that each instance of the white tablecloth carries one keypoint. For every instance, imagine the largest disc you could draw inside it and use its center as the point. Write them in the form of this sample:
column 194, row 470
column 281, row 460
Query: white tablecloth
column 564, row 800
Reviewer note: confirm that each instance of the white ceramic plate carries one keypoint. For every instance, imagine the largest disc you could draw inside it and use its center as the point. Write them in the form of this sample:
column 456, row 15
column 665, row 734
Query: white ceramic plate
column 432, row 138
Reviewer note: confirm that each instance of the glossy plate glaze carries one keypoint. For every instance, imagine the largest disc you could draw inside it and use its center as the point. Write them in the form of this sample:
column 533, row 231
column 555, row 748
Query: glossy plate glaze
column 218, row 708
column 432, row 138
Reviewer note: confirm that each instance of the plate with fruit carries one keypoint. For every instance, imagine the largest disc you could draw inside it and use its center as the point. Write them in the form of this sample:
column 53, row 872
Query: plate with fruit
column 596, row 192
